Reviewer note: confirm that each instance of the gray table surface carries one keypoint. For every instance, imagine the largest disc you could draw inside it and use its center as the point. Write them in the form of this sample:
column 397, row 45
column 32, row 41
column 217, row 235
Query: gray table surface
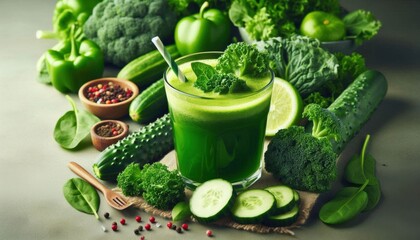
column 33, row 167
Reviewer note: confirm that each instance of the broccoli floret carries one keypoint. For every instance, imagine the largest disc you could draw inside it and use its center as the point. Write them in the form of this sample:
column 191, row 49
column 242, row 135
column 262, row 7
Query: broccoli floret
column 124, row 29
column 306, row 158
column 300, row 160
column 243, row 59
column 129, row 180
column 162, row 188
column 324, row 123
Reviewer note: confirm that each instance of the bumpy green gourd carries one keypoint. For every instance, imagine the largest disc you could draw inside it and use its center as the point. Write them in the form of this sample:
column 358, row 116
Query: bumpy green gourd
column 150, row 144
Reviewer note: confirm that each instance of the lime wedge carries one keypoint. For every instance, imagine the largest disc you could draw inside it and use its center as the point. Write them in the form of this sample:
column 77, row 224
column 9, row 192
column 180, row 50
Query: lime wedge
column 286, row 107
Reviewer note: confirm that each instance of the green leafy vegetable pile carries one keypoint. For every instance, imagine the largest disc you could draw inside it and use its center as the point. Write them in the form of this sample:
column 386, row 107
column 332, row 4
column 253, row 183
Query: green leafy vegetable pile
column 158, row 186
column 123, row 29
column 238, row 60
column 265, row 19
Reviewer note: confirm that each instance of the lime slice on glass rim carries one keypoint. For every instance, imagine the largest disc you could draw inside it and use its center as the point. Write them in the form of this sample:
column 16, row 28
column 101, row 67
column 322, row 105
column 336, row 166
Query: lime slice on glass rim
column 285, row 109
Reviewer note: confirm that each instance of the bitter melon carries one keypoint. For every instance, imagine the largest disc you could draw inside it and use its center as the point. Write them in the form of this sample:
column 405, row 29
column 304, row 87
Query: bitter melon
column 150, row 144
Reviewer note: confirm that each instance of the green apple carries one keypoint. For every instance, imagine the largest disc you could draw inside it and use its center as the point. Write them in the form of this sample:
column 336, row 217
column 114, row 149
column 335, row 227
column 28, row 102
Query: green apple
column 323, row 26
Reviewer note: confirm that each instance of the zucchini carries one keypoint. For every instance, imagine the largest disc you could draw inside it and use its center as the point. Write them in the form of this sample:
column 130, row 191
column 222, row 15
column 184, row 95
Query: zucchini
column 285, row 198
column 356, row 104
column 252, row 206
column 211, row 200
column 150, row 144
column 147, row 68
column 149, row 104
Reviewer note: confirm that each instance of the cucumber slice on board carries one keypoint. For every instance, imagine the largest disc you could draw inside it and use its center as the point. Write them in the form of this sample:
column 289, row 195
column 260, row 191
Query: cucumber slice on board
column 284, row 219
column 296, row 196
column 285, row 199
column 252, row 206
column 211, row 200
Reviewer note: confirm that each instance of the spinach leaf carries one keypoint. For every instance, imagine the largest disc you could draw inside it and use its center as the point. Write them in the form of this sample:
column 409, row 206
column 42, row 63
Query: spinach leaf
column 347, row 204
column 82, row 196
column 362, row 167
column 73, row 126
column 374, row 195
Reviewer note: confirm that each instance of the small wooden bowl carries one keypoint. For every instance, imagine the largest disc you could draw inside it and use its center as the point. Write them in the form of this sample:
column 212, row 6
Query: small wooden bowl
column 108, row 111
column 101, row 142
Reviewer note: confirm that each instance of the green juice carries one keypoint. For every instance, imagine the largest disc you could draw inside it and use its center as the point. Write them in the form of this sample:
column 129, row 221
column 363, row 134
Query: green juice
column 218, row 135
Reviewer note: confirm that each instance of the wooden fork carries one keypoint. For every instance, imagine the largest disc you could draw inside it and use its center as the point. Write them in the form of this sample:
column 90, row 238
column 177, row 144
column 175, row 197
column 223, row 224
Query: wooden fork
column 115, row 200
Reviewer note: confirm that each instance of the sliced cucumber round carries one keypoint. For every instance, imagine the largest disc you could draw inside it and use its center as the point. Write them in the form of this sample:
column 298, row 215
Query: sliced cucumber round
column 211, row 200
column 296, row 197
column 252, row 206
column 285, row 198
column 284, row 219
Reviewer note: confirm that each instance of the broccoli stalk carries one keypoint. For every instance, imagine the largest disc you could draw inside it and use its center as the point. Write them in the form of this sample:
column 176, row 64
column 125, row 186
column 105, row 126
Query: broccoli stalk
column 324, row 123
column 305, row 157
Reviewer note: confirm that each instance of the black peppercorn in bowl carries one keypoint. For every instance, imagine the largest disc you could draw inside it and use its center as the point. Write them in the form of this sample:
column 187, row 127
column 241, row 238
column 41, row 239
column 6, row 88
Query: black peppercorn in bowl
column 108, row 98
column 108, row 132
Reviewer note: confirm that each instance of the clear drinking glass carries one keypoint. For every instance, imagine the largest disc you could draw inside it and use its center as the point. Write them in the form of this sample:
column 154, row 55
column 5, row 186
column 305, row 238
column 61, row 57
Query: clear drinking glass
column 217, row 136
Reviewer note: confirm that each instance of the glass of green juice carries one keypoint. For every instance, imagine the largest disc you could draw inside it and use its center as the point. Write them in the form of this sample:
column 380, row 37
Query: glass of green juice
column 217, row 135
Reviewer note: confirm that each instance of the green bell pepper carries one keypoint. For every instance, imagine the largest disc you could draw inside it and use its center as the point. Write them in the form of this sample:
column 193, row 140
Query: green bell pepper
column 70, row 67
column 209, row 30
column 66, row 13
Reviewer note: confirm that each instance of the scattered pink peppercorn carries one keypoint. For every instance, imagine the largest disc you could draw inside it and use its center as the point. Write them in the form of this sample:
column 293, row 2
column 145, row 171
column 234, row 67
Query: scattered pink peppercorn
column 184, row 226
column 138, row 219
column 147, row 226
column 209, row 233
column 169, row 224
column 122, row 221
column 114, row 227
column 152, row 219
column 142, row 238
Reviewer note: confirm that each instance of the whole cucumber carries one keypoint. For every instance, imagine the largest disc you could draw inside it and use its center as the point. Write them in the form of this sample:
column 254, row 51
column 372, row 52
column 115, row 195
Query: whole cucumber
column 357, row 102
column 147, row 68
column 150, row 144
column 149, row 104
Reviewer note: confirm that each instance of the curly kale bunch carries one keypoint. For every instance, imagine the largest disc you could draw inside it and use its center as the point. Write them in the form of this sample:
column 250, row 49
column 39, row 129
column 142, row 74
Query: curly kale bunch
column 124, row 28
column 129, row 180
column 158, row 185
column 162, row 188
column 243, row 59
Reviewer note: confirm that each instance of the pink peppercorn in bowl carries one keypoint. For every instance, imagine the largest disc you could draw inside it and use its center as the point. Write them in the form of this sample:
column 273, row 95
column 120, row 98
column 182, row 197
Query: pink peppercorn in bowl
column 108, row 98
column 108, row 132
